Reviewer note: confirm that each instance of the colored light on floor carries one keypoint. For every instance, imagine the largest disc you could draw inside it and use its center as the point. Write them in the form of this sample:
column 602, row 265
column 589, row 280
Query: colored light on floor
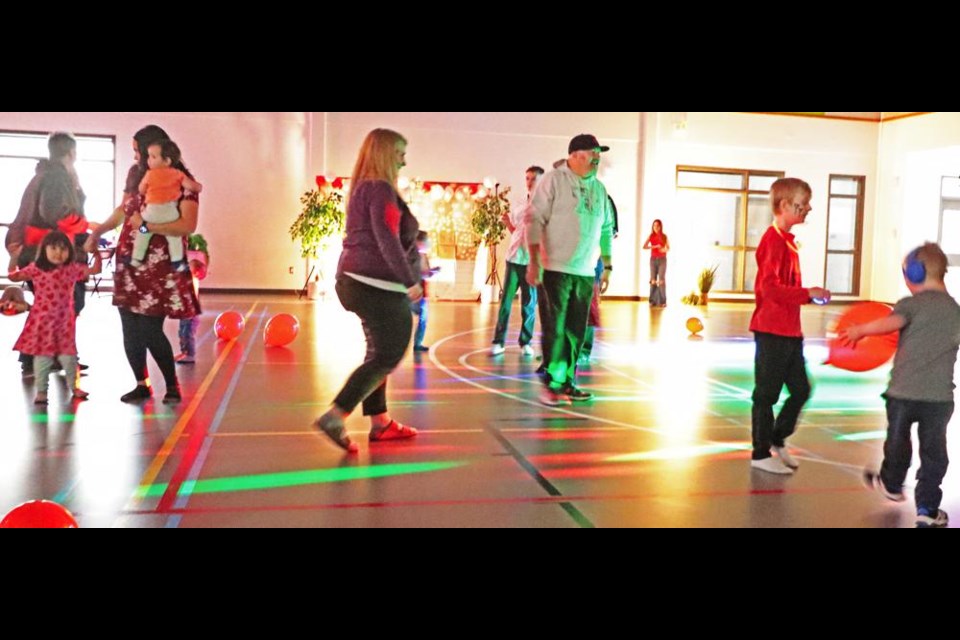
column 680, row 453
column 863, row 435
column 296, row 478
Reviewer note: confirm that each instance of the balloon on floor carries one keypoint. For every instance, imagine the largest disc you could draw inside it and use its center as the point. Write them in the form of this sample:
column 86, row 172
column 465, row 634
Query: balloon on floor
column 229, row 325
column 870, row 352
column 694, row 325
column 39, row 514
column 281, row 330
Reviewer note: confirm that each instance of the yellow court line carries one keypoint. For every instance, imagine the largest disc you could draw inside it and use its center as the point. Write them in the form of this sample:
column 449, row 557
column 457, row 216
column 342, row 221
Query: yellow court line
column 161, row 458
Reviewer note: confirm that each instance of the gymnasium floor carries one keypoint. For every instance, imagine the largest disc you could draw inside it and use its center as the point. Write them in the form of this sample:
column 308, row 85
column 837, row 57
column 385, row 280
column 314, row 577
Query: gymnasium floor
column 665, row 443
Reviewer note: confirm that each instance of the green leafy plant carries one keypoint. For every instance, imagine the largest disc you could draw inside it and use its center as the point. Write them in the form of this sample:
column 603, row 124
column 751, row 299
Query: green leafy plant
column 690, row 298
column 196, row 242
column 487, row 220
column 321, row 219
column 706, row 278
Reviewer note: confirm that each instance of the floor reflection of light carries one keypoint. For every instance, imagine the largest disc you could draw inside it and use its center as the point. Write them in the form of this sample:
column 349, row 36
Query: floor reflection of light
column 863, row 435
column 681, row 386
column 679, row 453
column 296, row 478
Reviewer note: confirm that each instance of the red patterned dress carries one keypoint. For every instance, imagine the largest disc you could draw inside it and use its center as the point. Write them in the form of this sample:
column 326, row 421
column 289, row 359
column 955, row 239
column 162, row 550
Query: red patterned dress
column 51, row 328
column 156, row 288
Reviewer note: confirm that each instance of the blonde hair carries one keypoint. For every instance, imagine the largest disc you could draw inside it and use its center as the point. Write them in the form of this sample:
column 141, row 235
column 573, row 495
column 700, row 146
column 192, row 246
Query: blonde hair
column 785, row 189
column 377, row 158
column 934, row 260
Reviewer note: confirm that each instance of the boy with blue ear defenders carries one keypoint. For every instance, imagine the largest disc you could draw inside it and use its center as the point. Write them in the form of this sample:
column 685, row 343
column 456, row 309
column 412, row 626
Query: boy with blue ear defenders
column 921, row 383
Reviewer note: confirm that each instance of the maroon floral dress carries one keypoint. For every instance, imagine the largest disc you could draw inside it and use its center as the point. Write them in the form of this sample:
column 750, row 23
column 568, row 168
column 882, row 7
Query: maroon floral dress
column 156, row 288
column 51, row 328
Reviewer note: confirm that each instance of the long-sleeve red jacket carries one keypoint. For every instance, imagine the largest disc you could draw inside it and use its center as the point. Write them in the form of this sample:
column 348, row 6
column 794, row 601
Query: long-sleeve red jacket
column 778, row 287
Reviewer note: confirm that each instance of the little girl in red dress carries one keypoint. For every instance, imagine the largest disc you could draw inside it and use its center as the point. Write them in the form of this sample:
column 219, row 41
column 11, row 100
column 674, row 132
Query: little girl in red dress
column 50, row 330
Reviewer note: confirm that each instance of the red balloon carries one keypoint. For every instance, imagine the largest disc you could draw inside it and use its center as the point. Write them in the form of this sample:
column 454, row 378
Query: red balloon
column 281, row 330
column 229, row 325
column 39, row 514
column 870, row 352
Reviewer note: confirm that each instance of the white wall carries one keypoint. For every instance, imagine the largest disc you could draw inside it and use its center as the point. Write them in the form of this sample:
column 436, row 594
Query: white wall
column 915, row 153
column 467, row 146
column 254, row 166
column 806, row 148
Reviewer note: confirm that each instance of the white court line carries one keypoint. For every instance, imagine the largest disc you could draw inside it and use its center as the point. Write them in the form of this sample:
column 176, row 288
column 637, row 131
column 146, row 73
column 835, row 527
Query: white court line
column 463, row 362
column 735, row 392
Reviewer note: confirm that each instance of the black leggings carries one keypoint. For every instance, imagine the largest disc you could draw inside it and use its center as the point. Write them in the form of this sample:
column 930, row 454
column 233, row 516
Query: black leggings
column 142, row 333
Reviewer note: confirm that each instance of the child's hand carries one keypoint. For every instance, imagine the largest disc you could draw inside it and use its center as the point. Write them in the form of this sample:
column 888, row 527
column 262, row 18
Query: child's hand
column 850, row 336
column 819, row 293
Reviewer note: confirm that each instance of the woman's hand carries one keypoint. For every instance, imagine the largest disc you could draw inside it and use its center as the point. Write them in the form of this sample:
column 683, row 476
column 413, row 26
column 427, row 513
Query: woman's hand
column 415, row 292
column 136, row 220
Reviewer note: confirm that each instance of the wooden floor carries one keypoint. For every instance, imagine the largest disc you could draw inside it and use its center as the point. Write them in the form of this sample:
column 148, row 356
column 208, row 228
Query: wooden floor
column 665, row 443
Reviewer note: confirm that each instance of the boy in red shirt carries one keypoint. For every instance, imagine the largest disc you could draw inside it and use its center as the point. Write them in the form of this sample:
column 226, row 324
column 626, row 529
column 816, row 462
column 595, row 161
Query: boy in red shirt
column 776, row 328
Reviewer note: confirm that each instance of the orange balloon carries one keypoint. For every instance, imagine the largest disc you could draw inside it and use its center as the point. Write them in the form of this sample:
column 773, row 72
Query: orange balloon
column 281, row 330
column 229, row 325
column 694, row 325
column 870, row 352
column 39, row 514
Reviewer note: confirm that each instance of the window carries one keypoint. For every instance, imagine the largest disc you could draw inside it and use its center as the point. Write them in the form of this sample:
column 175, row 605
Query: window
column 949, row 236
column 19, row 153
column 732, row 212
column 844, row 234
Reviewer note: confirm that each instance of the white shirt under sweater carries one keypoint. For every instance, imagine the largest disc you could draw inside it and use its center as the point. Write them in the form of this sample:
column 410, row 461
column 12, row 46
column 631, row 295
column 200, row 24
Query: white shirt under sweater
column 571, row 219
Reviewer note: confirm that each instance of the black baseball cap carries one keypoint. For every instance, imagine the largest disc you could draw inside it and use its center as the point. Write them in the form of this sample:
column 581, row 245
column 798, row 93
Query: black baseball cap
column 585, row 142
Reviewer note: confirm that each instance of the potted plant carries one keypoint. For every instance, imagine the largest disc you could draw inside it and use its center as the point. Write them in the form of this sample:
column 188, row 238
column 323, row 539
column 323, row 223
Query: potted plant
column 489, row 229
column 705, row 282
column 321, row 219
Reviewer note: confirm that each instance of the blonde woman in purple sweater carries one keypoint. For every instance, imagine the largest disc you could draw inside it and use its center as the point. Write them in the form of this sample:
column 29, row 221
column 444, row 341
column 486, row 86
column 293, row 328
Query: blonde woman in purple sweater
column 377, row 279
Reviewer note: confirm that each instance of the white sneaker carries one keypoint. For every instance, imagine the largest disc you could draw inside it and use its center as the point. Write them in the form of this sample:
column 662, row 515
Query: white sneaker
column 527, row 351
column 771, row 465
column 785, row 457
column 497, row 350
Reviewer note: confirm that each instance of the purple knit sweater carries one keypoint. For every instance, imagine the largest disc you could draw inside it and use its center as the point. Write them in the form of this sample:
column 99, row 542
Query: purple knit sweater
column 381, row 240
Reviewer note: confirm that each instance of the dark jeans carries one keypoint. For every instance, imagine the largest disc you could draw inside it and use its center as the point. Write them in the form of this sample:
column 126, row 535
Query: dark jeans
column 563, row 318
column 779, row 361
column 931, row 419
column 145, row 333
column 658, row 281
column 188, row 335
column 421, row 310
column 516, row 277
column 386, row 320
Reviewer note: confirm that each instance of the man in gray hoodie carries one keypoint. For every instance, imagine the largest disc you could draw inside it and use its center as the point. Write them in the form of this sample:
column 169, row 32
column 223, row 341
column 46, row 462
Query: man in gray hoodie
column 569, row 224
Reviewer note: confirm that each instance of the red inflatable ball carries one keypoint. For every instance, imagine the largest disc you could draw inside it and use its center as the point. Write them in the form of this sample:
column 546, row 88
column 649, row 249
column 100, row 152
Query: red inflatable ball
column 281, row 330
column 229, row 325
column 39, row 514
column 870, row 352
